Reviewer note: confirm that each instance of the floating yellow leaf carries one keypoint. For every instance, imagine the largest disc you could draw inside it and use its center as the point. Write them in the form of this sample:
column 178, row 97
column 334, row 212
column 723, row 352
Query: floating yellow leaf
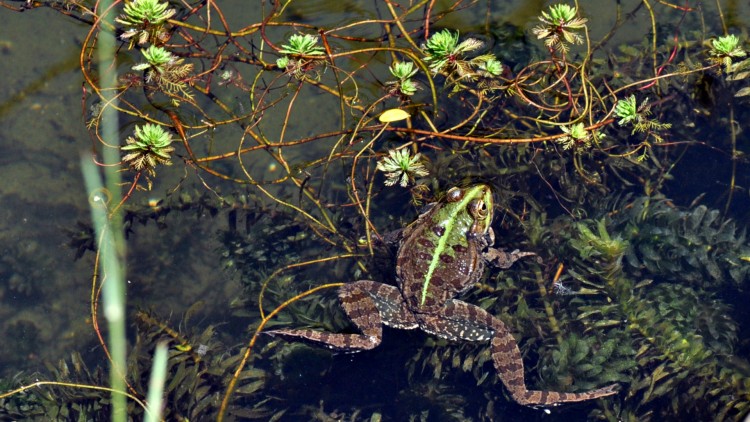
column 393, row 115
column 184, row 347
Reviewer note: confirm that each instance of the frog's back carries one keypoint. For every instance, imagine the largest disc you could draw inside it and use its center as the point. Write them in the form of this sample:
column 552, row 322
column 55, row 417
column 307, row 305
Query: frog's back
column 447, row 262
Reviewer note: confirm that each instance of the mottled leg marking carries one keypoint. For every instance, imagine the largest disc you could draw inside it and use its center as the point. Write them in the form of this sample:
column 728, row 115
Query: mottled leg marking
column 460, row 321
column 369, row 305
column 469, row 322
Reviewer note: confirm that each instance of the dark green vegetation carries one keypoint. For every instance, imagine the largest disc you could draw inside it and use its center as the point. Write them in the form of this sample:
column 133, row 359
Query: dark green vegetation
column 613, row 152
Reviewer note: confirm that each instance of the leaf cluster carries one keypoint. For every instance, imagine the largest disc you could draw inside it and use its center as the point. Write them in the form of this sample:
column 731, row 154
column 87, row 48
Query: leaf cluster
column 198, row 368
column 297, row 46
column 587, row 362
column 695, row 246
column 558, row 25
column 659, row 305
column 446, row 56
column 145, row 21
column 148, row 147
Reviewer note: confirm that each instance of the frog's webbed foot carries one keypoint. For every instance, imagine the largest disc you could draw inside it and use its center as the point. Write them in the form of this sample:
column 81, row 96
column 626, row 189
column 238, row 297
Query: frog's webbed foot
column 460, row 320
column 501, row 259
column 369, row 305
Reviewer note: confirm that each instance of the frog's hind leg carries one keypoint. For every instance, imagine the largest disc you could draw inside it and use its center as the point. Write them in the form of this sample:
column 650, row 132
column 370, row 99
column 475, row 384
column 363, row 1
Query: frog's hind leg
column 460, row 320
column 369, row 305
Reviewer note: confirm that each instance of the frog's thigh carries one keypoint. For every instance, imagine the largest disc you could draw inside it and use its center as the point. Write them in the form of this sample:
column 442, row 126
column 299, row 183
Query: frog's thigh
column 459, row 320
column 370, row 304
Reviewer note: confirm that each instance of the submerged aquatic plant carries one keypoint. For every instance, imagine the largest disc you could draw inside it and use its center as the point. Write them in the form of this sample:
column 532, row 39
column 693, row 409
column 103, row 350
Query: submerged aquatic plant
column 723, row 52
column 302, row 45
column 401, row 167
column 725, row 49
column 144, row 21
column 558, row 26
column 149, row 147
column 165, row 70
column 656, row 270
column 157, row 58
column 697, row 247
column 403, row 71
column 626, row 110
column 575, row 134
column 446, row 56
column 443, row 49
column 491, row 67
column 299, row 45
column 629, row 112
column 588, row 360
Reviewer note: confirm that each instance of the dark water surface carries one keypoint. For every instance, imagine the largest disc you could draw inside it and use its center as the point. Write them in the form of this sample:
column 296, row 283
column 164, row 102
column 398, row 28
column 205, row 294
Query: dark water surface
column 45, row 292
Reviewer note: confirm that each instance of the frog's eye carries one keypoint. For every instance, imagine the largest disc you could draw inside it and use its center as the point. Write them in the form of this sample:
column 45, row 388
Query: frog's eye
column 478, row 209
column 454, row 195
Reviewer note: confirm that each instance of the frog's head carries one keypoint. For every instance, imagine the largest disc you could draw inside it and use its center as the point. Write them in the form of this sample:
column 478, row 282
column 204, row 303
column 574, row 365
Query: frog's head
column 473, row 203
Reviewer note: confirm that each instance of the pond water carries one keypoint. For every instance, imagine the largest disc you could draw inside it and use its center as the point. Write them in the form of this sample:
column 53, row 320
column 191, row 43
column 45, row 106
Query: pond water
column 201, row 247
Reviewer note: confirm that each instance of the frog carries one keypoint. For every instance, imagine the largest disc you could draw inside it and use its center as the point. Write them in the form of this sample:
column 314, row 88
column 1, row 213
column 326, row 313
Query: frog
column 442, row 254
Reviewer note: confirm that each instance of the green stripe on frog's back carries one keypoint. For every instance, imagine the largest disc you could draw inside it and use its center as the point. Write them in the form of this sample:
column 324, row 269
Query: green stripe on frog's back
column 450, row 222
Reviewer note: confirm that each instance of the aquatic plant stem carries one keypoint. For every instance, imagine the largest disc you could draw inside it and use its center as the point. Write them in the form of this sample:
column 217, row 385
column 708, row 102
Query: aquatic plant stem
column 554, row 326
column 246, row 356
column 112, row 287
column 733, row 177
column 109, row 226
column 156, row 383
column 73, row 385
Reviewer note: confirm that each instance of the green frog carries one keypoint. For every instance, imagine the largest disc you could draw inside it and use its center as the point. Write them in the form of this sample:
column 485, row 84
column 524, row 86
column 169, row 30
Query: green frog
column 441, row 255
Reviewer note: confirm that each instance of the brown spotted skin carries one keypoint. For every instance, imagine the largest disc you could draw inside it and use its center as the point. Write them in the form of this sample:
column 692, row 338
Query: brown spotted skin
column 462, row 227
column 369, row 305
column 460, row 266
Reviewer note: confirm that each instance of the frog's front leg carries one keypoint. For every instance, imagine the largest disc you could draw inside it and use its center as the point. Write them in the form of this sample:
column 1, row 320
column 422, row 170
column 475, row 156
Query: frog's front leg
column 461, row 321
column 498, row 257
column 369, row 305
column 501, row 259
